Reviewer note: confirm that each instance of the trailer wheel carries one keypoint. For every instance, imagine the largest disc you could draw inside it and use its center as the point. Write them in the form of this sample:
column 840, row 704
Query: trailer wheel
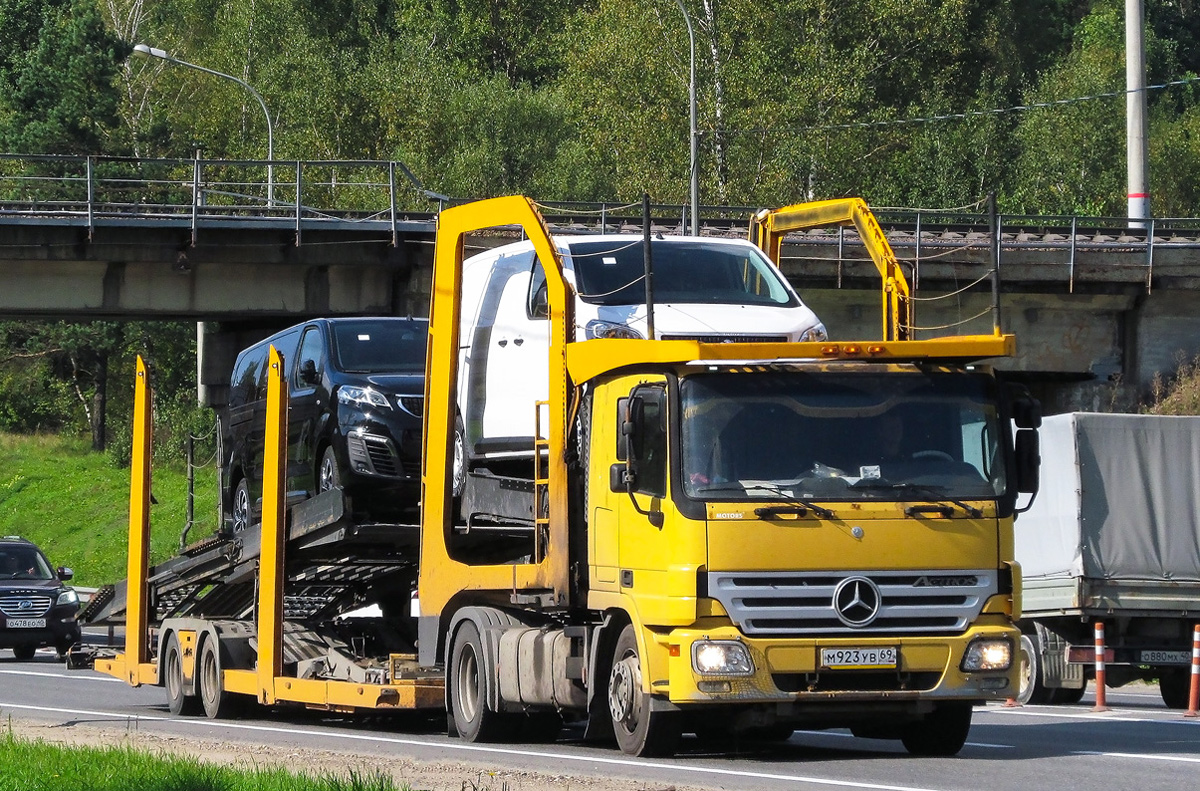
column 178, row 701
column 1033, row 688
column 1068, row 696
column 640, row 729
column 942, row 733
column 469, row 679
column 1174, row 689
column 218, row 704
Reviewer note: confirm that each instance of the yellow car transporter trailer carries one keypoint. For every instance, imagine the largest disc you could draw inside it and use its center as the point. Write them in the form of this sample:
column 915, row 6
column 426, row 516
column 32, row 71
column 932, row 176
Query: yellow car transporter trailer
column 613, row 604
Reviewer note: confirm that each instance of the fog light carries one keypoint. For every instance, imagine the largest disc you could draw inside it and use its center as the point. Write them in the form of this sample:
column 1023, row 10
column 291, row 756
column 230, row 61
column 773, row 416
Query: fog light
column 721, row 658
column 714, row 686
column 987, row 653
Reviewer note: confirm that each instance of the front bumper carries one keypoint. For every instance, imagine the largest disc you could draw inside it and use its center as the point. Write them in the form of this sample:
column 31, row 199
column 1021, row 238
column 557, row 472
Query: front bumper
column 789, row 669
column 61, row 631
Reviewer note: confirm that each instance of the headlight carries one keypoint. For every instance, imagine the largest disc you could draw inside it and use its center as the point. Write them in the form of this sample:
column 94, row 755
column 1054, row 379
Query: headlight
column 987, row 653
column 817, row 333
column 68, row 596
column 362, row 396
column 607, row 329
column 721, row 658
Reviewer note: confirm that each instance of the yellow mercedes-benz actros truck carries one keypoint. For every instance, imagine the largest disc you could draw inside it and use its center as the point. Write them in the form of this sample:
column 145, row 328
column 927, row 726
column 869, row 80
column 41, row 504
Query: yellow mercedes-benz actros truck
column 728, row 540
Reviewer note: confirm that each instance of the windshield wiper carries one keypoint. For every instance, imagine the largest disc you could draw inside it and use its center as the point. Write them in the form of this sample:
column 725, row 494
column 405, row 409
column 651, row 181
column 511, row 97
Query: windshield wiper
column 934, row 493
column 795, row 504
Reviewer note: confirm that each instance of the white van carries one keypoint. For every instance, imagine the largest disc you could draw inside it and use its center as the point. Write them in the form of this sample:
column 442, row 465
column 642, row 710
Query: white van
column 713, row 290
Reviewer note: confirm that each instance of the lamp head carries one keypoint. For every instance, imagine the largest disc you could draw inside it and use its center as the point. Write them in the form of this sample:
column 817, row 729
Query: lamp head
column 150, row 52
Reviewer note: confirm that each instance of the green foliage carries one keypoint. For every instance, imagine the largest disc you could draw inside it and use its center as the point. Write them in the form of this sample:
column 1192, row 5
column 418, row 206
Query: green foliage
column 75, row 505
column 57, row 68
column 38, row 766
column 1179, row 394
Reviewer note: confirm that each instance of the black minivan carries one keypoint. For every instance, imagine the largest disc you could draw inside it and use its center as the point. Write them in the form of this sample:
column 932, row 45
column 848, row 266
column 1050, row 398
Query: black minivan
column 356, row 400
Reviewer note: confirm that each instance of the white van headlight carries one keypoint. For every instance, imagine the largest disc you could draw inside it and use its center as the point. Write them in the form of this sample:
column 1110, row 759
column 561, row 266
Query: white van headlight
column 608, row 329
column 816, row 333
column 362, row 396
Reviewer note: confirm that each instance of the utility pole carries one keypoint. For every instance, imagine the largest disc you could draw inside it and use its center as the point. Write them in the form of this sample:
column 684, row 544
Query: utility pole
column 1137, row 147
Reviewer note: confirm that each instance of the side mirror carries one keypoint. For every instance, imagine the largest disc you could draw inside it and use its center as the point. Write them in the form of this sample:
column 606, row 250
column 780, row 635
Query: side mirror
column 65, row 573
column 1029, row 459
column 308, row 372
column 1026, row 410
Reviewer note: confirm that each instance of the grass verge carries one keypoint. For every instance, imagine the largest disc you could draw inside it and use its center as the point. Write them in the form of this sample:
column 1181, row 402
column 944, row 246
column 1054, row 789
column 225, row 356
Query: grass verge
column 36, row 766
column 73, row 503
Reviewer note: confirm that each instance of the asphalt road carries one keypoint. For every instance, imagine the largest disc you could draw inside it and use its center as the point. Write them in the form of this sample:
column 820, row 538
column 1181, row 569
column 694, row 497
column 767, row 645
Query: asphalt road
column 1138, row 745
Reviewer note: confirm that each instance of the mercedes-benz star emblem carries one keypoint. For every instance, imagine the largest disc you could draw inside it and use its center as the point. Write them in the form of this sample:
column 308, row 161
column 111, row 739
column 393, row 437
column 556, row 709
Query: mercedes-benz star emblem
column 856, row 601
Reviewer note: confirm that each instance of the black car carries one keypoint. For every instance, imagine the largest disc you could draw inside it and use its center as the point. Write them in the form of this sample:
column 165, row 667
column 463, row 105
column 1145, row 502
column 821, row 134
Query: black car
column 36, row 609
column 357, row 389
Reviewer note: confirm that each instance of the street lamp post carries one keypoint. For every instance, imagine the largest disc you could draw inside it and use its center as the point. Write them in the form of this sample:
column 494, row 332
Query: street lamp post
column 154, row 52
column 694, row 134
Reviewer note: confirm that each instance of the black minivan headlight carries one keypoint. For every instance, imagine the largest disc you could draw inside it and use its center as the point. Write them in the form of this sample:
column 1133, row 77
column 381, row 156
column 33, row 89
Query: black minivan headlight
column 362, row 397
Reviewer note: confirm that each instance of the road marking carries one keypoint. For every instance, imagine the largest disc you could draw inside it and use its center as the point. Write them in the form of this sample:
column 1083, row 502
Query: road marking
column 1092, row 717
column 1147, row 756
column 73, row 676
column 475, row 748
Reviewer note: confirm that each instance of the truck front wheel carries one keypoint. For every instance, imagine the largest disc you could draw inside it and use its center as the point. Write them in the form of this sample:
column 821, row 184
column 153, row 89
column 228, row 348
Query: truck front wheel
column 942, row 733
column 641, row 727
column 1033, row 688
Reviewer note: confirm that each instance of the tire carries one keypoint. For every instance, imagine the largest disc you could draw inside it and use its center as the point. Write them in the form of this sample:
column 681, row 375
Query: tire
column 178, row 702
column 1175, row 689
column 469, row 678
column 640, row 728
column 1032, row 687
column 1067, row 696
column 240, row 508
column 458, row 473
column 329, row 475
column 942, row 733
column 24, row 652
column 218, row 704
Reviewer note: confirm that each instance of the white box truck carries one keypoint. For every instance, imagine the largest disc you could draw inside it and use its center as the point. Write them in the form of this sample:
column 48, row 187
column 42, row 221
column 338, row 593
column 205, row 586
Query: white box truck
column 1113, row 536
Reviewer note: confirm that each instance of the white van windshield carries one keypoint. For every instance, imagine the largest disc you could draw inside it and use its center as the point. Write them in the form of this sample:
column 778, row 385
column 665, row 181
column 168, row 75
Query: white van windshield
column 380, row 346
column 685, row 272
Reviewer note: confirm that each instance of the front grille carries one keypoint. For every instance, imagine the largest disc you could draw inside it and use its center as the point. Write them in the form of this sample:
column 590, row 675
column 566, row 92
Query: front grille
column 855, row 681
column 714, row 338
column 801, row 603
column 376, row 455
column 24, row 605
column 412, row 404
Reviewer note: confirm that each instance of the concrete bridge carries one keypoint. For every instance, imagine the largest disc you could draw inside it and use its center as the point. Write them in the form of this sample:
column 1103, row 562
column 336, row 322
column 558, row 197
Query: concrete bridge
column 1099, row 308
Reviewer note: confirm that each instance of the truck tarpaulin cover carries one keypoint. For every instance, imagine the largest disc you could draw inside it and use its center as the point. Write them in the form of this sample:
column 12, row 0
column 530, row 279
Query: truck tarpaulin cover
column 1119, row 499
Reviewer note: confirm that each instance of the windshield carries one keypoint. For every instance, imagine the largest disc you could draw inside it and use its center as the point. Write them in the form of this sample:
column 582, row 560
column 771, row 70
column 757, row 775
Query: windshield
column 19, row 563
column 685, row 271
column 374, row 346
column 840, row 436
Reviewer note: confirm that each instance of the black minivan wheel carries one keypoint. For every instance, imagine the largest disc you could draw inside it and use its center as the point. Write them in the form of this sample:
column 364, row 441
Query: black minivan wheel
column 328, row 474
column 241, row 506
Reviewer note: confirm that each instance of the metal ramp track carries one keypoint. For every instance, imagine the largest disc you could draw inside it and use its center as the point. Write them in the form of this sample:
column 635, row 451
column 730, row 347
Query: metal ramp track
column 326, row 568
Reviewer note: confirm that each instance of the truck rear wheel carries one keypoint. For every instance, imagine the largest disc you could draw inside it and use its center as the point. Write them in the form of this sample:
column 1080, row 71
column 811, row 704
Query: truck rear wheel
column 178, row 701
column 470, row 676
column 640, row 729
column 942, row 733
column 218, row 704
column 1174, row 687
